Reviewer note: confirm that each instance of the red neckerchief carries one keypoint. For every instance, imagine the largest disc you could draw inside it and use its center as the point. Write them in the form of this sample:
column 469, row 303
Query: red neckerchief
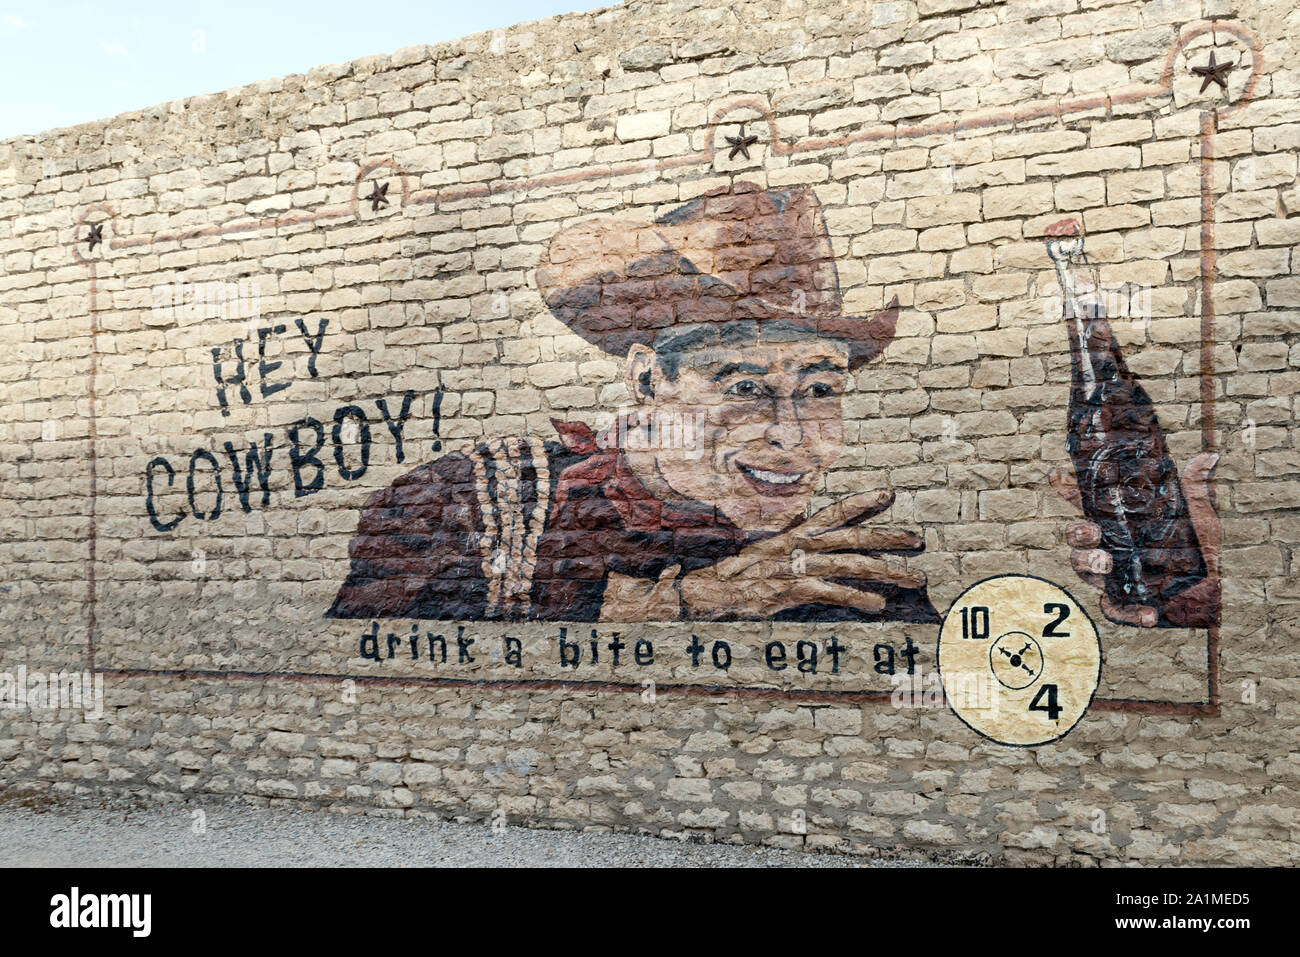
column 607, row 467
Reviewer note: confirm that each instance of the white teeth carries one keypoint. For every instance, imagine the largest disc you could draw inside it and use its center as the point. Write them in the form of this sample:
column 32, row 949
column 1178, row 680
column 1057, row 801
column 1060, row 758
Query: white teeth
column 776, row 478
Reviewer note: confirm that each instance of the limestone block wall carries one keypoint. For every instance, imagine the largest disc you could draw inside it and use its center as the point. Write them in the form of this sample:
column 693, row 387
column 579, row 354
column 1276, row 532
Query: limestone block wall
column 281, row 370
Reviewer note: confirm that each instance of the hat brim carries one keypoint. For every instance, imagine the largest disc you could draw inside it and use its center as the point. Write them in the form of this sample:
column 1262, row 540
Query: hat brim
column 616, row 327
column 866, row 337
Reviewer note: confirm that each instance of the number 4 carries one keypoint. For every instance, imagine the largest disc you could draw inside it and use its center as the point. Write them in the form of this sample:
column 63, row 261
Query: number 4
column 1052, row 709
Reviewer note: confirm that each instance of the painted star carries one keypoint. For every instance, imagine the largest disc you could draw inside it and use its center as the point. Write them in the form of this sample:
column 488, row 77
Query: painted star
column 378, row 196
column 1214, row 73
column 96, row 235
column 741, row 144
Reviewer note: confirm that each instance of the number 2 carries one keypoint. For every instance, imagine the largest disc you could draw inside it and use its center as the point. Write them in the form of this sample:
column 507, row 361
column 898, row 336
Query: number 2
column 1062, row 612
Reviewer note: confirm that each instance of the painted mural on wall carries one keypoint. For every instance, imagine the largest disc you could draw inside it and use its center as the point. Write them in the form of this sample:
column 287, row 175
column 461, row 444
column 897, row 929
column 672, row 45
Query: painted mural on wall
column 696, row 504
column 726, row 489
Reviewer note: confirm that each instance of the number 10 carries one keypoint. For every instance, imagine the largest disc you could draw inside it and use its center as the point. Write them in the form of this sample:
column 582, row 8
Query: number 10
column 975, row 622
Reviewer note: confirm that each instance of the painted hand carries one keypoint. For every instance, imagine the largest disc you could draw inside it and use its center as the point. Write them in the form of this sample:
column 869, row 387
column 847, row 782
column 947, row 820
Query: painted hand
column 628, row 598
column 1198, row 606
column 796, row 567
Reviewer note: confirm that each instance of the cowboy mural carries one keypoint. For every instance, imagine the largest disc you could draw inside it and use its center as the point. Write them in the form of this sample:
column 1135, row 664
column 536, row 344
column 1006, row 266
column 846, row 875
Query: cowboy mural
column 697, row 503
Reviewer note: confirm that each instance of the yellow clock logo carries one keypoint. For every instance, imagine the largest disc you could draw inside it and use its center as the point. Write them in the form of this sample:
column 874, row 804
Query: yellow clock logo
column 1020, row 659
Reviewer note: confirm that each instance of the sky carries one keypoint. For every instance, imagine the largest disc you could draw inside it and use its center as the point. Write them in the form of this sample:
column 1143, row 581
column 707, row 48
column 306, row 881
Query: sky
column 63, row 63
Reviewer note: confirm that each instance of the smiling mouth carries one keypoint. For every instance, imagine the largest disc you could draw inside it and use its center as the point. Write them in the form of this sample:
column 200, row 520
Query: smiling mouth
column 769, row 482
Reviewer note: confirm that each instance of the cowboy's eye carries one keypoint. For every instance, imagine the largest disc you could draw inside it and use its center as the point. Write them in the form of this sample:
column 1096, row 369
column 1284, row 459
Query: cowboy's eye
column 820, row 390
column 745, row 388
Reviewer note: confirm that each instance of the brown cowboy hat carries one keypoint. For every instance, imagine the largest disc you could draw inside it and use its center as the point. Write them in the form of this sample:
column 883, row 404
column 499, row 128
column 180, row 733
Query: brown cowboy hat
column 738, row 253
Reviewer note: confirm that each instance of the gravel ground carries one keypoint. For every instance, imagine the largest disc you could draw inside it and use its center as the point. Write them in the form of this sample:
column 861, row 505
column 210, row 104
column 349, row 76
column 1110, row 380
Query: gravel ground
column 84, row 834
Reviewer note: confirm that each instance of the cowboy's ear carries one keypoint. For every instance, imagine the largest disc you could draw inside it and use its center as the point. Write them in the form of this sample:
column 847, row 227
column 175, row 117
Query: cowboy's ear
column 641, row 364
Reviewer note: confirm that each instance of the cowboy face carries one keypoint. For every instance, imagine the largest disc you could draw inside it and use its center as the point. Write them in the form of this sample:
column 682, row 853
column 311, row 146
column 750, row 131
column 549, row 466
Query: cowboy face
column 758, row 425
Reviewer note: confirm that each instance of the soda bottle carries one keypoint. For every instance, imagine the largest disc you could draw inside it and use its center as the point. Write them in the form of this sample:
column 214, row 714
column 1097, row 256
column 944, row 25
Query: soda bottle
column 1128, row 484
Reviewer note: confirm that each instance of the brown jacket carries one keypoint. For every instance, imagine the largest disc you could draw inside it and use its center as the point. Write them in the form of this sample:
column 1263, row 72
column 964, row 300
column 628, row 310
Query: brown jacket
column 520, row 529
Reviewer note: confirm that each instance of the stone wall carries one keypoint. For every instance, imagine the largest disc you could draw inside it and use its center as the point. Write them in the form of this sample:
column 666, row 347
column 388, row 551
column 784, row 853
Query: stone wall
column 343, row 267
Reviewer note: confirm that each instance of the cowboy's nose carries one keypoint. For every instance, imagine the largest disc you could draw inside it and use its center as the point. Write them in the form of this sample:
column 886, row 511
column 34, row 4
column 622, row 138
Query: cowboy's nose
column 786, row 430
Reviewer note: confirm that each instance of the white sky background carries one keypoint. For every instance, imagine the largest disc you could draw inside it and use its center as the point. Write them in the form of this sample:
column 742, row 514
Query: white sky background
column 63, row 63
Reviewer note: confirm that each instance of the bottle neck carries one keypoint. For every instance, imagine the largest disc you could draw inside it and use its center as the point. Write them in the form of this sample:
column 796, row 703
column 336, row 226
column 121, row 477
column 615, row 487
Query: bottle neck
column 1078, row 316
